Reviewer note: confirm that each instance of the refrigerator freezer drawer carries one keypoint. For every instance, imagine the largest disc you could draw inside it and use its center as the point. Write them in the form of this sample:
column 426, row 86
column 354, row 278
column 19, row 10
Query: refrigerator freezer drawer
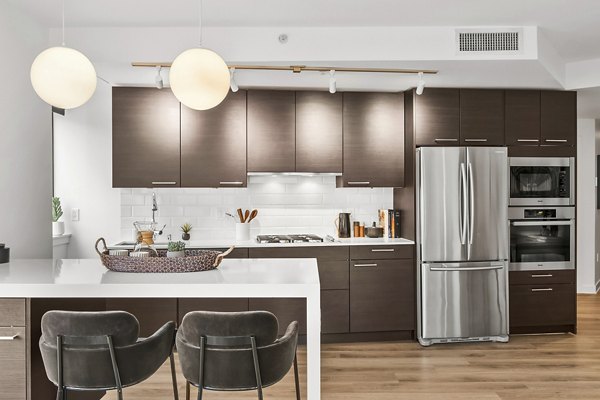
column 464, row 302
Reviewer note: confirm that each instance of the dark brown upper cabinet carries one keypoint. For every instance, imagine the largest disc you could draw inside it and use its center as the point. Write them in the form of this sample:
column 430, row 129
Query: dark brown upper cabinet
column 559, row 117
column 146, row 140
column 271, row 131
column 522, row 117
column 481, row 117
column 437, row 117
column 213, row 144
column 373, row 140
column 318, row 132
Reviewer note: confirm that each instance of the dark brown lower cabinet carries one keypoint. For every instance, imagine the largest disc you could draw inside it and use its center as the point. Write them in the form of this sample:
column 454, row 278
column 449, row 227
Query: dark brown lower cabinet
column 334, row 311
column 220, row 304
column 286, row 311
column 382, row 296
column 151, row 313
column 544, row 306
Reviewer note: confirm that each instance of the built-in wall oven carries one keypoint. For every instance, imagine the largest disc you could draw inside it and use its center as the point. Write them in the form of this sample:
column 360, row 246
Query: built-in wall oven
column 542, row 238
column 536, row 181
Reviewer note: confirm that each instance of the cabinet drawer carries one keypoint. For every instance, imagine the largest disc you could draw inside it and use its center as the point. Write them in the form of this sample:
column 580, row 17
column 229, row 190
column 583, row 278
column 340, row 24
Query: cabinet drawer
column 12, row 312
column 334, row 274
column 542, row 305
column 335, row 311
column 13, row 364
column 325, row 253
column 381, row 252
column 541, row 277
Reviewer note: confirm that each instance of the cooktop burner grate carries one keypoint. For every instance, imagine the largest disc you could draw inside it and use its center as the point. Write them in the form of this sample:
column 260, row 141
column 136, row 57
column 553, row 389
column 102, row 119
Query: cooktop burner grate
column 298, row 238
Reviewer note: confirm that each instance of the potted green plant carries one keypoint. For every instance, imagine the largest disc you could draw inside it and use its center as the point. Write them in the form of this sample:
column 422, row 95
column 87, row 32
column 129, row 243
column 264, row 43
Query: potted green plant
column 186, row 229
column 58, row 227
column 176, row 249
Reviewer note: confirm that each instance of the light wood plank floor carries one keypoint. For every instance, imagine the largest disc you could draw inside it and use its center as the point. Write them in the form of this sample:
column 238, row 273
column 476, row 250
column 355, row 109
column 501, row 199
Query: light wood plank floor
column 527, row 368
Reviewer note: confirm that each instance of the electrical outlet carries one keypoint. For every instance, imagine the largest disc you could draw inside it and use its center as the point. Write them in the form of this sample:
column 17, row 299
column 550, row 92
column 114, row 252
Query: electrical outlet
column 75, row 214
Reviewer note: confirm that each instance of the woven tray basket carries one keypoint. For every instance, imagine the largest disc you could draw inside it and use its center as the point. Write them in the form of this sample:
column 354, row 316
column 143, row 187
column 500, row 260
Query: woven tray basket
column 194, row 261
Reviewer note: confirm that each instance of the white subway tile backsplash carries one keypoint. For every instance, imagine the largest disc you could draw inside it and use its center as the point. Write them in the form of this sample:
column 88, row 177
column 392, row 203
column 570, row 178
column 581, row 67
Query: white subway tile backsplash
column 286, row 204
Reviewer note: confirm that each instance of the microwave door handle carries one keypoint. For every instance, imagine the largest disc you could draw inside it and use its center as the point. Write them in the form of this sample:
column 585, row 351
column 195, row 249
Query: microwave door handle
column 540, row 223
column 463, row 200
column 471, row 202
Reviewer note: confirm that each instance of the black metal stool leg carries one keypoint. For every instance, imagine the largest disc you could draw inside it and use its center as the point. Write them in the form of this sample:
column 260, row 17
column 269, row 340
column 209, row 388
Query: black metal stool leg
column 256, row 368
column 174, row 377
column 296, row 378
column 187, row 390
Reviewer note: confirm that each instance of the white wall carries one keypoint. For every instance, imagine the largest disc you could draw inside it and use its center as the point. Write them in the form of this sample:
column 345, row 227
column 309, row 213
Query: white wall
column 597, row 238
column 83, row 172
column 586, row 206
column 286, row 204
column 25, row 147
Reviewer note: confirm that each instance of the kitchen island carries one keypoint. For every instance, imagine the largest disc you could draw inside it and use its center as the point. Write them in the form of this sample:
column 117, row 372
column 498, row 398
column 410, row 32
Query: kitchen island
column 29, row 287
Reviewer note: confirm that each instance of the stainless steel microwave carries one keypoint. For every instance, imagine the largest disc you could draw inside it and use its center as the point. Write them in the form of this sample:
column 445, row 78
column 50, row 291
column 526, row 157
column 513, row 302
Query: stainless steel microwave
column 542, row 181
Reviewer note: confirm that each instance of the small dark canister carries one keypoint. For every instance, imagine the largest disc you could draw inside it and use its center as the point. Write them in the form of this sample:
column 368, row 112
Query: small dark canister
column 4, row 253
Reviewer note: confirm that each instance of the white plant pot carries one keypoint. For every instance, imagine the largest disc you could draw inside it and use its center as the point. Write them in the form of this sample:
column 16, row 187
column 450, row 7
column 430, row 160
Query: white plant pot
column 175, row 254
column 58, row 228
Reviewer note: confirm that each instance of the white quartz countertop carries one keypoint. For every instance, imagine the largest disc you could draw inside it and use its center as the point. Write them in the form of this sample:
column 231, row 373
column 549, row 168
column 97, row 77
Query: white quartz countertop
column 208, row 244
column 89, row 278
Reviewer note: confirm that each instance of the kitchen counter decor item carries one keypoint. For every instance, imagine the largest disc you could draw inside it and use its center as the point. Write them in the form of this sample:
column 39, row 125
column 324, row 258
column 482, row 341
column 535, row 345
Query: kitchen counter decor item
column 194, row 261
column 4, row 254
column 176, row 249
column 374, row 231
column 242, row 231
column 343, row 225
column 58, row 227
column 186, row 229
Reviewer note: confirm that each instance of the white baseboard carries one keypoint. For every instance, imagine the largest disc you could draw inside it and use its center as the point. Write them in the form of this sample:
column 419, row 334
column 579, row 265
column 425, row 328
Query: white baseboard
column 588, row 289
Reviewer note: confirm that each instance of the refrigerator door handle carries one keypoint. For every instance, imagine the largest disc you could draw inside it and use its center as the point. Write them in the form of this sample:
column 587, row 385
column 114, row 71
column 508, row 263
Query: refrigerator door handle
column 486, row 268
column 471, row 203
column 463, row 199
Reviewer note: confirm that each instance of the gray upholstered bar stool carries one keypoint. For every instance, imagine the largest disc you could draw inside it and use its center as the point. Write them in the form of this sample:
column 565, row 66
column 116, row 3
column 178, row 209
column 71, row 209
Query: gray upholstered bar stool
column 235, row 351
column 101, row 351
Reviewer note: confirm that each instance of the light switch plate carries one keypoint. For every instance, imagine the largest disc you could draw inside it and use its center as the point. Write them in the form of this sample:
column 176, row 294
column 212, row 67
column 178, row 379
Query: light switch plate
column 75, row 214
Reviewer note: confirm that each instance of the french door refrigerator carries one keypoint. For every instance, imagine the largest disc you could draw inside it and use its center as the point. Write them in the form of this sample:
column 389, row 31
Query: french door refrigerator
column 462, row 244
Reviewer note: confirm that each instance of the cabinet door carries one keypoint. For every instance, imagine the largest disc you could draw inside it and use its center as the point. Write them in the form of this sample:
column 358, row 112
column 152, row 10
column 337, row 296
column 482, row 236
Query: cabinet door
column 286, row 310
column 382, row 296
column 334, row 311
column 437, row 117
column 13, row 364
column 559, row 117
column 481, row 117
column 522, row 117
column 213, row 144
column 318, row 132
column 146, row 140
column 373, row 140
column 542, row 305
column 271, row 131
column 151, row 313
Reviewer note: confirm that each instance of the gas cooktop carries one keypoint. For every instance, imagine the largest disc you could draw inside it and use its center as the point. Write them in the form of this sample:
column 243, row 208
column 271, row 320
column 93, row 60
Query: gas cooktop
column 302, row 238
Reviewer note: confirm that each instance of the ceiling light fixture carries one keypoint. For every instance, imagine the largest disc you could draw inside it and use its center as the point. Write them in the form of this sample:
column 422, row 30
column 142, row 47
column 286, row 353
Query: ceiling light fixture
column 332, row 82
column 63, row 77
column 421, row 84
column 199, row 77
column 233, row 83
column 159, row 80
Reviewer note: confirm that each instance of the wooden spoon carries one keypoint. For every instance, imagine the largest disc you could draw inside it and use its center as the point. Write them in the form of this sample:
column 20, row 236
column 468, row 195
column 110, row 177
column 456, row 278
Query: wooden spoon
column 246, row 215
column 239, row 211
column 253, row 215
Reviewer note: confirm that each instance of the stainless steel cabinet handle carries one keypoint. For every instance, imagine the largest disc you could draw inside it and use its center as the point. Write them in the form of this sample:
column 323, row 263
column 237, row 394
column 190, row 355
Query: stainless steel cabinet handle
column 365, row 265
column 541, row 275
column 8, row 338
column 542, row 290
column 476, row 140
column 359, row 183
column 540, row 223
column 381, row 250
column 231, row 183
column 164, row 183
column 445, row 140
column 528, row 140
column 488, row 268
column 556, row 140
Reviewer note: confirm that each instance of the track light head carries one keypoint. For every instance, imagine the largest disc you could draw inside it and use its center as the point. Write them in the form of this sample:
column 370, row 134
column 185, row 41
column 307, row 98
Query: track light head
column 421, row 84
column 232, row 83
column 158, row 80
column 332, row 82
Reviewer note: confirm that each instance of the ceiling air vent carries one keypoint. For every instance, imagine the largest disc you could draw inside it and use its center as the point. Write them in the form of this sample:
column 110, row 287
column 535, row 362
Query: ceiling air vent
column 482, row 41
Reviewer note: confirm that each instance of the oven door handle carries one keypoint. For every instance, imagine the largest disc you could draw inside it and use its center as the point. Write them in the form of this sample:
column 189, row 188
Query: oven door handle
column 541, row 223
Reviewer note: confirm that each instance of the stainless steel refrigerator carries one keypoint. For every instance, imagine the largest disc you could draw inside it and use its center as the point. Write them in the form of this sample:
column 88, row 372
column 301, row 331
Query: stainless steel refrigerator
column 462, row 244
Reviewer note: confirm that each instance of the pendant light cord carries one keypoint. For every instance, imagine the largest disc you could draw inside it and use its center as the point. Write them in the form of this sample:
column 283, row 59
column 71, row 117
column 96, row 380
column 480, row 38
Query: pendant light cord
column 63, row 22
column 200, row 23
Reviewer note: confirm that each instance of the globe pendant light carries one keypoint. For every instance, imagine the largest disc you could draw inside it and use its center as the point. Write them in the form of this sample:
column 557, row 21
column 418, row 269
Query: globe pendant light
column 63, row 77
column 199, row 77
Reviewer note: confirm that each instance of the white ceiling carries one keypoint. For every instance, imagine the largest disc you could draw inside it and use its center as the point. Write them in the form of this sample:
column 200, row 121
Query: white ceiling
column 572, row 26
